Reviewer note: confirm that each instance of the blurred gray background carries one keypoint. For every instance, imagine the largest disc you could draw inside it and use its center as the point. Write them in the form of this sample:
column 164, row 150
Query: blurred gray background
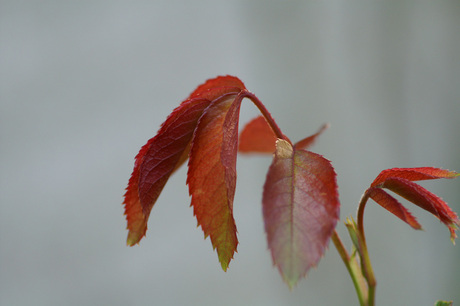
column 84, row 84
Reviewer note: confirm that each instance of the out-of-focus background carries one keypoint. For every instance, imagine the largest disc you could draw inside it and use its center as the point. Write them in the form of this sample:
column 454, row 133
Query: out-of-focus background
column 84, row 84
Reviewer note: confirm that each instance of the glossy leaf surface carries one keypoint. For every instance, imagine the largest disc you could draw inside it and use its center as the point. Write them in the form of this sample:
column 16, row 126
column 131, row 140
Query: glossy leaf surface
column 392, row 205
column 167, row 151
column 300, row 209
column 212, row 175
column 257, row 137
column 414, row 174
column 400, row 181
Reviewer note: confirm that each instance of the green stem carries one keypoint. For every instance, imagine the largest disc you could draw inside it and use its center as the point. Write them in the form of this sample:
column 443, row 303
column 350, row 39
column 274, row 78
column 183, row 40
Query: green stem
column 353, row 269
column 365, row 259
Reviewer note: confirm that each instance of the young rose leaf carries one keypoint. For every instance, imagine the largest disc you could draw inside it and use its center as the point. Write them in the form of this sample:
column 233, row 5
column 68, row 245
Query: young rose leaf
column 392, row 205
column 167, row 151
column 212, row 175
column 300, row 209
column 308, row 142
column 400, row 181
column 414, row 174
column 257, row 137
column 226, row 81
column 426, row 200
column 137, row 223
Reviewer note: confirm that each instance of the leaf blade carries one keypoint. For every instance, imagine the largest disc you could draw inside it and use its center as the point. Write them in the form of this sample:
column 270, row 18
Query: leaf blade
column 300, row 209
column 388, row 202
column 226, row 83
column 167, row 151
column 426, row 200
column 257, row 137
column 136, row 221
column 212, row 175
column 310, row 140
column 414, row 174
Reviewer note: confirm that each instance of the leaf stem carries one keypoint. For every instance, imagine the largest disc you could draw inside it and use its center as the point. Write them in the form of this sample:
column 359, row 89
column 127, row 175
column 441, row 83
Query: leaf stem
column 352, row 267
column 365, row 259
column 265, row 113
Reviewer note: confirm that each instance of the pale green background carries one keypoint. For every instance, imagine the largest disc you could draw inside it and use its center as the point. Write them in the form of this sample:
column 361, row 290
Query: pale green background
column 84, row 84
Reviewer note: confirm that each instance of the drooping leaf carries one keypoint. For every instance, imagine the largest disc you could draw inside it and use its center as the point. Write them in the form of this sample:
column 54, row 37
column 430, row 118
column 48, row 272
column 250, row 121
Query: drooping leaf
column 400, row 181
column 392, row 205
column 309, row 141
column 218, row 83
column 137, row 223
column 300, row 209
column 165, row 152
column 212, row 175
column 257, row 137
column 414, row 174
column 426, row 200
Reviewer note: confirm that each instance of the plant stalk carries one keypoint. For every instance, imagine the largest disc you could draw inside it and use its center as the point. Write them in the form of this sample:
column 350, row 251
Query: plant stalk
column 353, row 269
column 365, row 259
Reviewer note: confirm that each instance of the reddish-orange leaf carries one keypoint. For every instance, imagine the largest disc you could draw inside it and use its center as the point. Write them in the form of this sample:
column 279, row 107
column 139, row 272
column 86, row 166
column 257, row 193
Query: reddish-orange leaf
column 137, row 223
column 414, row 174
column 300, row 208
column 156, row 161
column 212, row 175
column 426, row 200
column 257, row 137
column 310, row 140
column 227, row 81
column 167, row 151
column 392, row 205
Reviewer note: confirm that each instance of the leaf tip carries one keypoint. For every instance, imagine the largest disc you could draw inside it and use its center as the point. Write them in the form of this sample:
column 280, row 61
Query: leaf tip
column 133, row 238
column 224, row 266
column 453, row 235
column 291, row 283
column 225, row 260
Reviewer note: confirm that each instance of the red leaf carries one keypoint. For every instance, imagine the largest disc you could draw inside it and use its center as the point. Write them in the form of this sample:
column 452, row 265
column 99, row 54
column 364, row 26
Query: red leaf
column 212, row 174
column 167, row 151
column 308, row 142
column 426, row 200
column 137, row 223
column 257, row 137
column 392, row 205
column 227, row 81
column 414, row 174
column 300, row 208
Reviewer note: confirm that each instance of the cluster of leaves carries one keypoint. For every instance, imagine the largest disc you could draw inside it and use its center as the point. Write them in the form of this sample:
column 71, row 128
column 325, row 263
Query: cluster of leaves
column 401, row 182
column 300, row 197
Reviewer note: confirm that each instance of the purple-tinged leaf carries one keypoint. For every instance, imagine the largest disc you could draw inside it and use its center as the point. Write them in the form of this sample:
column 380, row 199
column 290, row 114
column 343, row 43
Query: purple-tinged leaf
column 300, row 208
